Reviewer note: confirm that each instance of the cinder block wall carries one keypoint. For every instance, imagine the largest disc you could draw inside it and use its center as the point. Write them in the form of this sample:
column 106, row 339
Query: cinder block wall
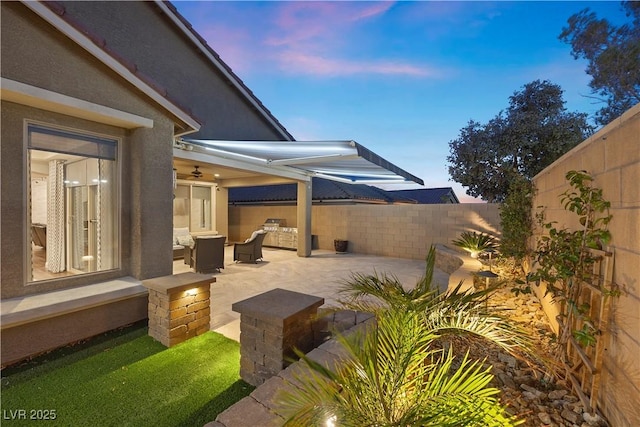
column 612, row 157
column 404, row 231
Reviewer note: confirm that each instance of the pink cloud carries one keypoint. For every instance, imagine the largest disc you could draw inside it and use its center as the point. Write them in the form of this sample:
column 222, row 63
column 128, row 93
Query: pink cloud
column 375, row 10
column 309, row 36
column 298, row 62
column 300, row 37
column 306, row 20
column 301, row 22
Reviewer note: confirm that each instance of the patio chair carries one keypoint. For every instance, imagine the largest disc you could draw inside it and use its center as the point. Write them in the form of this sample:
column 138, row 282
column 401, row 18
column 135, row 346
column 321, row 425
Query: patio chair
column 251, row 249
column 207, row 255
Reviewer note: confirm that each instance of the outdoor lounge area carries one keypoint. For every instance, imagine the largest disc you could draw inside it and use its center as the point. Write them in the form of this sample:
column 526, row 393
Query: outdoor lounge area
column 320, row 274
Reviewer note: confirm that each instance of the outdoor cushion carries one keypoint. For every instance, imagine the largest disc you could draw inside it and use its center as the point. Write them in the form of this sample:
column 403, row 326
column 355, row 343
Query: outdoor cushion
column 252, row 237
column 185, row 240
column 180, row 232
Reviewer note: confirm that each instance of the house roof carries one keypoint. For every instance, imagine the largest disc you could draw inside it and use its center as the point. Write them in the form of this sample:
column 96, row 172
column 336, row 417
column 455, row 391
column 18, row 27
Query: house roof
column 322, row 190
column 428, row 195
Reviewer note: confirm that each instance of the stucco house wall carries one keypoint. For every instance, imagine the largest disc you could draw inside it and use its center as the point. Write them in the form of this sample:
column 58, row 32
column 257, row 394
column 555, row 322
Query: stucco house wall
column 404, row 231
column 170, row 83
column 612, row 157
column 143, row 33
column 36, row 54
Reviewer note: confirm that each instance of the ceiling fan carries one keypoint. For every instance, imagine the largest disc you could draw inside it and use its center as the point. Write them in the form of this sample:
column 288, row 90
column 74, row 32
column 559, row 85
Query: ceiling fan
column 195, row 174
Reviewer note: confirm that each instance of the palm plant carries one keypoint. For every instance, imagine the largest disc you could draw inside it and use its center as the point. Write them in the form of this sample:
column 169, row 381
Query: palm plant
column 453, row 312
column 394, row 376
column 397, row 374
column 475, row 243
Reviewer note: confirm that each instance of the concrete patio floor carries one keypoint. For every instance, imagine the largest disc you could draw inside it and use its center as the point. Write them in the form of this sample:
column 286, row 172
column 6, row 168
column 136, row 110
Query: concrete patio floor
column 321, row 275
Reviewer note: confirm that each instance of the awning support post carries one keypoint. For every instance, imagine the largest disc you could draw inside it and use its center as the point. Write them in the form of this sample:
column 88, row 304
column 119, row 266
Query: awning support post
column 304, row 218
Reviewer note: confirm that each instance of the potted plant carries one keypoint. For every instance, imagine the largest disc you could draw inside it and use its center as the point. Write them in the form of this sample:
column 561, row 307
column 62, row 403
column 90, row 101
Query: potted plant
column 475, row 243
column 340, row 246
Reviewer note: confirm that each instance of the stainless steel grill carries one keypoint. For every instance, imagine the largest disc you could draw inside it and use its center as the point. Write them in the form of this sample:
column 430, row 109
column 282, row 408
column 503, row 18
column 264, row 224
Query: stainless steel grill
column 279, row 235
column 272, row 224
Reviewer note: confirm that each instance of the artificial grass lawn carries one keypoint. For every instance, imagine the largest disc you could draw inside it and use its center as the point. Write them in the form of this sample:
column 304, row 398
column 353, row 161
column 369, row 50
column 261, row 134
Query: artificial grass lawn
column 127, row 379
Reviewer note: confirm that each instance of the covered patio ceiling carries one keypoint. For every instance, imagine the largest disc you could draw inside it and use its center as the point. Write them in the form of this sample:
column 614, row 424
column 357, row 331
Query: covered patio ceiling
column 344, row 161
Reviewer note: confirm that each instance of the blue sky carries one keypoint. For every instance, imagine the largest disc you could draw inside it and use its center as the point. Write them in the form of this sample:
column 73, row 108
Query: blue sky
column 400, row 78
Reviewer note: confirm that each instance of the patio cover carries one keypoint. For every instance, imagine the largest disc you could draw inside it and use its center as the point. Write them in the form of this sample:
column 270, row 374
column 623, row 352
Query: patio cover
column 343, row 161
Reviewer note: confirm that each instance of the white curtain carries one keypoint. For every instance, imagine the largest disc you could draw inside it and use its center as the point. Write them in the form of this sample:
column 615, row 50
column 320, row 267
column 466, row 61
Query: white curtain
column 105, row 233
column 55, row 218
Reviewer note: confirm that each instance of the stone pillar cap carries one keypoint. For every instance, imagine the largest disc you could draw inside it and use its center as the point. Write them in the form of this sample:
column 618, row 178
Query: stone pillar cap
column 178, row 282
column 277, row 305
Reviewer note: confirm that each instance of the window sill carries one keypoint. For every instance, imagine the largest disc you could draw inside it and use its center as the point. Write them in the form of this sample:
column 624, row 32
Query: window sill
column 31, row 308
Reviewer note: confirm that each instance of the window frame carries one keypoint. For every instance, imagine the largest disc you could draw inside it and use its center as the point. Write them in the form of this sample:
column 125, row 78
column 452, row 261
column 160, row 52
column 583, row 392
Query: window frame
column 28, row 128
column 213, row 187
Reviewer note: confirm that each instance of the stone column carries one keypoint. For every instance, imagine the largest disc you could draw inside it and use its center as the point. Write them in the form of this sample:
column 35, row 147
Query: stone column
column 179, row 306
column 272, row 324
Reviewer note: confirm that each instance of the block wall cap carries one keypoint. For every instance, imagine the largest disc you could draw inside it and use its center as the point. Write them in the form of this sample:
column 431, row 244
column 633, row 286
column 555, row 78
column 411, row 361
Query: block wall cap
column 178, row 282
column 277, row 305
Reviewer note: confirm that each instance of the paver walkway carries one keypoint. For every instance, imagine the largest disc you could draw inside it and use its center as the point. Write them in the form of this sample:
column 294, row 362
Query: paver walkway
column 321, row 275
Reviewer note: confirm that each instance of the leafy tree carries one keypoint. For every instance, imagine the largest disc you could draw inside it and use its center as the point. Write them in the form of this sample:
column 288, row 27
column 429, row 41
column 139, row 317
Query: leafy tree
column 534, row 131
column 613, row 54
column 516, row 220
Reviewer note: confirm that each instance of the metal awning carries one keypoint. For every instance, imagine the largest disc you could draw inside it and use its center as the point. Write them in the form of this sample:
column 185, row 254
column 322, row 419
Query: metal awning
column 344, row 161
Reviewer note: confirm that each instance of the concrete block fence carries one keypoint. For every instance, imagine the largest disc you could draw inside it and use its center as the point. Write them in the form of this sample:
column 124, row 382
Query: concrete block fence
column 612, row 157
column 402, row 231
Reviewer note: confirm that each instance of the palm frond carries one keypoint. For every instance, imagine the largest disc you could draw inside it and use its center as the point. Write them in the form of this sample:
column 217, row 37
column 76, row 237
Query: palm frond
column 371, row 292
column 393, row 376
column 475, row 242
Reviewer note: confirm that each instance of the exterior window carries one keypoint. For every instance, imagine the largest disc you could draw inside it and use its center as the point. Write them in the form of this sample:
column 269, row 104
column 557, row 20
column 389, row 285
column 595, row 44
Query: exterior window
column 74, row 203
column 193, row 207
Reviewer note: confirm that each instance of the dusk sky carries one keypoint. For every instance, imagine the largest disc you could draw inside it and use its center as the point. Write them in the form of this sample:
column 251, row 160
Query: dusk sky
column 400, row 78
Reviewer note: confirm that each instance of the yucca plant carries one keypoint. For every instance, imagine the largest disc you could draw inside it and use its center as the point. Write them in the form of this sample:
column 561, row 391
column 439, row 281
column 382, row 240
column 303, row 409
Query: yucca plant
column 475, row 243
column 397, row 373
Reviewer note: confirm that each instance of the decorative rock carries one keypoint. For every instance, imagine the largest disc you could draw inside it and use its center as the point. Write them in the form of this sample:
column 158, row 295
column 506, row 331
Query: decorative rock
column 508, row 359
column 537, row 393
column 545, row 418
column 592, row 420
column 571, row 416
column 507, row 380
column 557, row 394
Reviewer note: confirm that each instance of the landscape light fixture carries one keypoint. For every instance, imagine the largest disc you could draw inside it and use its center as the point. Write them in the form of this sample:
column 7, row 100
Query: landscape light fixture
column 488, row 274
